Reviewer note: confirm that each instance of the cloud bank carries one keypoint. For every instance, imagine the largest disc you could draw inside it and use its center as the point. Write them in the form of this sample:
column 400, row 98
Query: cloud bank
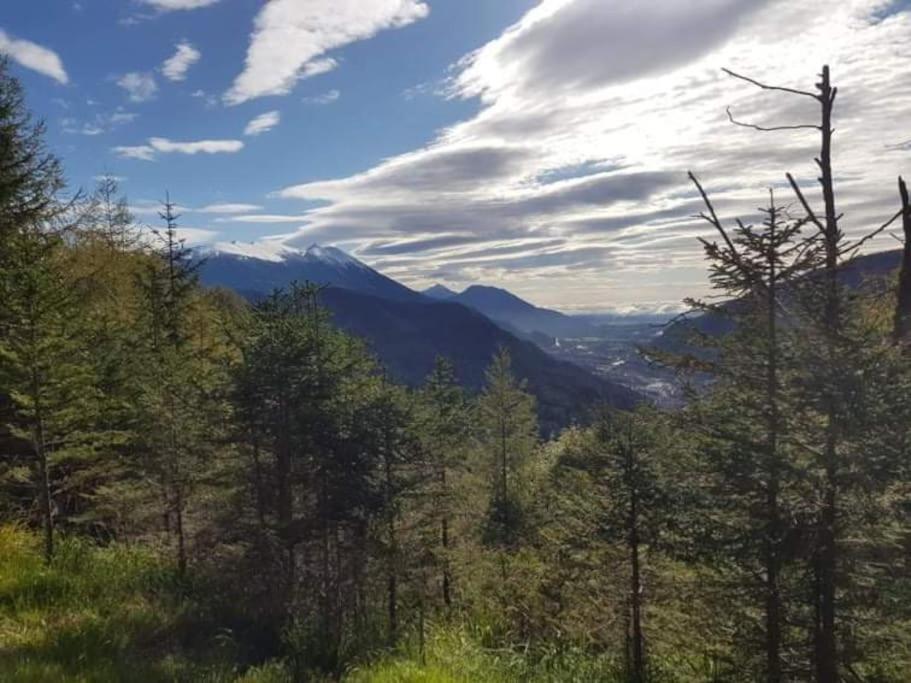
column 570, row 185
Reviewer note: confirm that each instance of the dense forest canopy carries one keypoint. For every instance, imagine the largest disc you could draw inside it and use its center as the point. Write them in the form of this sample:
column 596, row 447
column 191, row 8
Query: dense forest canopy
column 196, row 487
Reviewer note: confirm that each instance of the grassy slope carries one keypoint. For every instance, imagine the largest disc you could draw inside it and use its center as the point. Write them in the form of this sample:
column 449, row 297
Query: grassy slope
column 101, row 615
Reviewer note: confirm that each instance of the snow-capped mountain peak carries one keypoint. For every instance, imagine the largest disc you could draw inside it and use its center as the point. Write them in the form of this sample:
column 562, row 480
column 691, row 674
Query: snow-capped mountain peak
column 270, row 264
column 277, row 251
column 333, row 256
column 274, row 251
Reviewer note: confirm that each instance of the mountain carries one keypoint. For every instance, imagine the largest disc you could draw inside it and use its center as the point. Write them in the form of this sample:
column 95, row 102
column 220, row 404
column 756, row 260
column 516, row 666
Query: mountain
column 409, row 335
column 517, row 314
column 870, row 272
column 407, row 330
column 261, row 268
column 438, row 292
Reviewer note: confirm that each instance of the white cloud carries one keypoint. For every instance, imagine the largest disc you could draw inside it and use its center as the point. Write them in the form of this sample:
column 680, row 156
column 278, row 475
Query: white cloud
column 290, row 39
column 33, row 56
column 141, row 87
column 166, row 146
column 569, row 185
column 211, row 101
column 141, row 152
column 100, row 123
column 263, row 123
column 174, row 5
column 325, row 98
column 175, row 67
column 263, row 218
column 191, row 237
column 156, row 146
column 229, row 208
column 574, row 45
column 196, row 236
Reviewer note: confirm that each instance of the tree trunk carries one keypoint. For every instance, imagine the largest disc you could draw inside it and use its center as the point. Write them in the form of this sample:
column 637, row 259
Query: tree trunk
column 47, row 504
column 40, row 446
column 504, row 465
column 826, row 649
column 283, row 471
column 181, row 539
column 637, row 644
column 447, row 576
column 902, row 325
column 392, row 578
column 773, row 530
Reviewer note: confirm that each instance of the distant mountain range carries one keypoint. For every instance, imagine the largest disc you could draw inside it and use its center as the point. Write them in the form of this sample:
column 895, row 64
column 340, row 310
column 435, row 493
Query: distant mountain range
column 408, row 330
column 514, row 313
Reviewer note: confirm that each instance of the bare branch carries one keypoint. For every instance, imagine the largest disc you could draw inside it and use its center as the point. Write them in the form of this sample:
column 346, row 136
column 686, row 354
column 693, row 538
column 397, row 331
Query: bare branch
column 805, row 203
column 871, row 235
column 712, row 217
column 898, row 146
column 768, row 129
column 765, row 86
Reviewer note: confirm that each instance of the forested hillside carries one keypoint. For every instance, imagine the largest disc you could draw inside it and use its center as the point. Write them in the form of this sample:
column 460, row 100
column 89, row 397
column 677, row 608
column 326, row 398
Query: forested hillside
column 194, row 487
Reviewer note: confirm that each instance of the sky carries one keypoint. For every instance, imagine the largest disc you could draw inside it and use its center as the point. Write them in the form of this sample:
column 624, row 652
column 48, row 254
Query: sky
column 538, row 145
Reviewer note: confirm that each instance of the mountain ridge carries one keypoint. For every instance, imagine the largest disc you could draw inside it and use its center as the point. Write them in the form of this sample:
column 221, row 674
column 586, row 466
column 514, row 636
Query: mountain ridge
column 408, row 330
column 264, row 267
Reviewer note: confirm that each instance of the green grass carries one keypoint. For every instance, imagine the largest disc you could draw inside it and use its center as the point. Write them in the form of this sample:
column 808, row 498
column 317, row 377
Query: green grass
column 99, row 615
column 456, row 655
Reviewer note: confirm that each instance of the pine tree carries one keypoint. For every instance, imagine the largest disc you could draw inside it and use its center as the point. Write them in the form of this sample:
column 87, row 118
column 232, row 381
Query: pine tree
column 508, row 428
column 47, row 371
column 444, row 428
column 841, row 357
column 30, row 177
column 747, row 417
column 175, row 431
column 323, row 432
column 109, row 216
column 623, row 460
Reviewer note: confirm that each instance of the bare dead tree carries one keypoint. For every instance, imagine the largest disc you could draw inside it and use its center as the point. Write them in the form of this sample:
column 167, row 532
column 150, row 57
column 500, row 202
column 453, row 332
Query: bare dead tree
column 837, row 251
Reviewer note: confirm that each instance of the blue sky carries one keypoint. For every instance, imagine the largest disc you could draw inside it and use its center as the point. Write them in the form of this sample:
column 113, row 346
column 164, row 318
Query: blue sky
column 381, row 109
column 541, row 145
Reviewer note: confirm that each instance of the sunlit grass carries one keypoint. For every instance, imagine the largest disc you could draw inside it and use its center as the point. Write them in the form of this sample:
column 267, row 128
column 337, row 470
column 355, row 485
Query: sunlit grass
column 94, row 614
